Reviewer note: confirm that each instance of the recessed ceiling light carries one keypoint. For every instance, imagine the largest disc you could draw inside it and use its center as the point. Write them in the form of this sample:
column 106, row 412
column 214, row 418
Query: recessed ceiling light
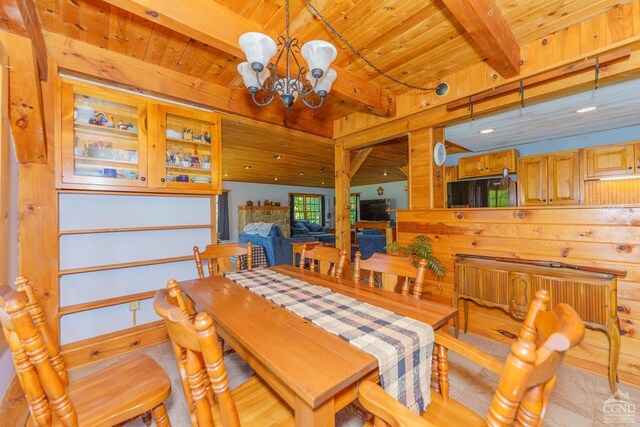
column 277, row 157
column 322, row 182
column 275, row 179
column 247, row 167
column 586, row 109
column 300, row 173
column 385, row 174
column 226, row 174
column 483, row 131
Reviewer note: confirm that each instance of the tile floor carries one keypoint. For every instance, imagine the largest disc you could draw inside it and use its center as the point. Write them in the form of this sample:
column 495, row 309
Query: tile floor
column 576, row 401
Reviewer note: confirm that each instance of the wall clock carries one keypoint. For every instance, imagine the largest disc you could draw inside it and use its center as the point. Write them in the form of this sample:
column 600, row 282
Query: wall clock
column 439, row 154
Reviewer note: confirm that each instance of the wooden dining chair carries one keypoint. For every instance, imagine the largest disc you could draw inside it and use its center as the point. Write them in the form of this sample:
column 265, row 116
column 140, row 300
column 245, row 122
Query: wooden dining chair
column 527, row 376
column 133, row 386
column 323, row 259
column 204, row 377
column 218, row 258
column 392, row 268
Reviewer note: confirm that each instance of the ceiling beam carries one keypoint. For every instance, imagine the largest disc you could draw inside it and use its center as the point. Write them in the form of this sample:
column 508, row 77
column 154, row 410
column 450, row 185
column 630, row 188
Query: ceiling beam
column 25, row 100
column 32, row 24
column 488, row 28
column 133, row 73
column 359, row 160
column 219, row 27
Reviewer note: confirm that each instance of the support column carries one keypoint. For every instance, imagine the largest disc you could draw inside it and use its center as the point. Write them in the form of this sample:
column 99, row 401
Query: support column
column 426, row 180
column 343, row 190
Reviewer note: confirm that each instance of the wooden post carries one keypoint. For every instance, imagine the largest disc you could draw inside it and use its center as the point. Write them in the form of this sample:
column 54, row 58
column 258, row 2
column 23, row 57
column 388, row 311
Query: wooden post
column 343, row 190
column 426, row 180
column 4, row 166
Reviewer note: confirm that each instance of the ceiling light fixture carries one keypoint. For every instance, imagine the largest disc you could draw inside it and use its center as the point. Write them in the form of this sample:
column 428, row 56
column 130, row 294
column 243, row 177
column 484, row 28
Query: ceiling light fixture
column 275, row 179
column 485, row 131
column 247, row 167
column 226, row 174
column 277, row 157
column 586, row 110
column 385, row 173
column 300, row 173
column 260, row 49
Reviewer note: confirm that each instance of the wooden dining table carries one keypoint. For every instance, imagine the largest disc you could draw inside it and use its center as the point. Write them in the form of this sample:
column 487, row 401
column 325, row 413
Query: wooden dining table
column 315, row 372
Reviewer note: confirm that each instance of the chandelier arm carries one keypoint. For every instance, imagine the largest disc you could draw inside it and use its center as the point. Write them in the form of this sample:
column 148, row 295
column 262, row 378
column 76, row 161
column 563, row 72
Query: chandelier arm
column 263, row 104
column 311, row 104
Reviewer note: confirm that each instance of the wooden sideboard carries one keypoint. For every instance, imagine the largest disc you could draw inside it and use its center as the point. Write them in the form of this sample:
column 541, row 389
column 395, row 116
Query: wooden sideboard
column 511, row 284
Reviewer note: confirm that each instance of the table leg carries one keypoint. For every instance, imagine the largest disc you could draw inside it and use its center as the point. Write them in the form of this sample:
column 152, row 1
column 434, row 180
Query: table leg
column 613, row 331
column 322, row 416
column 435, row 376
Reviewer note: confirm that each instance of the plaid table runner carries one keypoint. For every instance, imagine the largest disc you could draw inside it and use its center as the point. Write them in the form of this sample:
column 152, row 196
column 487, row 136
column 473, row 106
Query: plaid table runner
column 258, row 258
column 403, row 346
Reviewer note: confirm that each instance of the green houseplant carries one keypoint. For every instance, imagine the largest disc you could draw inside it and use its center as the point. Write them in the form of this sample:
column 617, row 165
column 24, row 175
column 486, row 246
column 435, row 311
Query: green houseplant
column 420, row 248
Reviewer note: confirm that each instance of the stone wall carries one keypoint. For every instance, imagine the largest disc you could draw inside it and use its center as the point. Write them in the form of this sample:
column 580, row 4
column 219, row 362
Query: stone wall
column 277, row 214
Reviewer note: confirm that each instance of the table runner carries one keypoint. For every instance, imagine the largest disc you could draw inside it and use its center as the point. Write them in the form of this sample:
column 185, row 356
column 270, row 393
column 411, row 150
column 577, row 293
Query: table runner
column 402, row 346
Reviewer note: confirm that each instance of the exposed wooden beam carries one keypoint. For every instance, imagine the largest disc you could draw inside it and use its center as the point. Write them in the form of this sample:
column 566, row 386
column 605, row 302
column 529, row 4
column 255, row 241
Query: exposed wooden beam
column 25, row 100
column 113, row 67
column 343, row 189
column 32, row 24
column 217, row 26
column 359, row 160
column 488, row 28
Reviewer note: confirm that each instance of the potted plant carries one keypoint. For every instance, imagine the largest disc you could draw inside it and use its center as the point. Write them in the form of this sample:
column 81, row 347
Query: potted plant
column 420, row 248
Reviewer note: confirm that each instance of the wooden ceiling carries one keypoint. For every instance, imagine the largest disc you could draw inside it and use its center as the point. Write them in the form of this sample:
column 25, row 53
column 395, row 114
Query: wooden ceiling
column 416, row 42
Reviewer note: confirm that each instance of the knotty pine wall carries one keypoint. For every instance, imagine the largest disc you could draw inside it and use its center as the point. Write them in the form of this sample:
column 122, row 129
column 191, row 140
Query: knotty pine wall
column 594, row 236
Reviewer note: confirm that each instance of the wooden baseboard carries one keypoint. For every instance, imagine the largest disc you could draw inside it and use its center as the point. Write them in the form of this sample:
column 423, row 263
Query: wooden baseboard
column 14, row 410
column 106, row 346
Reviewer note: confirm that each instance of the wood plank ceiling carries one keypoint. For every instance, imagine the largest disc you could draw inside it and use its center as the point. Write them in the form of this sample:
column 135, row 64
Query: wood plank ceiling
column 417, row 42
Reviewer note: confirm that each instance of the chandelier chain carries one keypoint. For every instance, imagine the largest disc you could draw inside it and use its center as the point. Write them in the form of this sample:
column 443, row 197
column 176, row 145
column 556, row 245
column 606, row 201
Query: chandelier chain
column 353, row 49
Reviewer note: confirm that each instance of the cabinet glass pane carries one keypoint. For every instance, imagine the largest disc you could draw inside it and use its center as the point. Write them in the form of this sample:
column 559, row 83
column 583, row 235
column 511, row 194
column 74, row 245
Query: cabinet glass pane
column 188, row 157
column 105, row 138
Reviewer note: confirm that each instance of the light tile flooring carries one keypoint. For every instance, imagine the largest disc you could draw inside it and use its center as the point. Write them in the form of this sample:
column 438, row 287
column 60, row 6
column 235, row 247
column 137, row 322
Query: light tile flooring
column 576, row 401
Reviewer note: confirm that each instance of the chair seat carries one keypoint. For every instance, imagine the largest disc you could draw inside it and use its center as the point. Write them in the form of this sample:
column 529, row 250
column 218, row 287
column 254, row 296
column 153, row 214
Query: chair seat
column 441, row 413
column 127, row 388
column 258, row 406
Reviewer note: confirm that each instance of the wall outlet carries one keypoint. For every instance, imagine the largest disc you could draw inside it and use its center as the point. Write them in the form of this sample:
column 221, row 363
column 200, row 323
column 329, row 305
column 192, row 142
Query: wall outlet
column 134, row 305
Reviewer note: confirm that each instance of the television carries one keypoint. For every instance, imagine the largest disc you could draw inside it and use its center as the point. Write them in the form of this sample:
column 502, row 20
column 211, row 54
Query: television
column 375, row 210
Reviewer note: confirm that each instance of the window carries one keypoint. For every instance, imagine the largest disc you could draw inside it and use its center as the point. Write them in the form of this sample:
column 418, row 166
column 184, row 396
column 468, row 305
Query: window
column 307, row 206
column 354, row 203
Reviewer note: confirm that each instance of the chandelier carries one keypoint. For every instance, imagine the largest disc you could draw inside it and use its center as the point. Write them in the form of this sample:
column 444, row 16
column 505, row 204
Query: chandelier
column 297, row 80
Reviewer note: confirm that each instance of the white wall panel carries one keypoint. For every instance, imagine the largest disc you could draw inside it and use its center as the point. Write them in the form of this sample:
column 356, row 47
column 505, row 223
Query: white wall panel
column 88, row 324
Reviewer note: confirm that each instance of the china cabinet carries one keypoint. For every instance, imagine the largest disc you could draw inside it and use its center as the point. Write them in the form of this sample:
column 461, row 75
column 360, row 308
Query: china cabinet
column 114, row 141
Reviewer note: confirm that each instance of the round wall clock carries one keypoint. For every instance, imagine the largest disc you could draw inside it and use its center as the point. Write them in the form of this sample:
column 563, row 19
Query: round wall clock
column 439, row 154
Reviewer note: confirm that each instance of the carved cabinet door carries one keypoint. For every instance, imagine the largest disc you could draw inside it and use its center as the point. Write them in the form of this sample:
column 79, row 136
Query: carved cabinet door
column 520, row 294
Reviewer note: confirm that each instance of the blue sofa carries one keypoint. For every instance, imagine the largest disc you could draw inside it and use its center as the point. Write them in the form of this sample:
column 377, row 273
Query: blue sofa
column 277, row 248
column 371, row 241
column 305, row 227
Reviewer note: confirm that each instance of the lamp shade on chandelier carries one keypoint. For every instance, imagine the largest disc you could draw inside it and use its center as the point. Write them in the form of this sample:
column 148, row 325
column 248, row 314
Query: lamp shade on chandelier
column 262, row 78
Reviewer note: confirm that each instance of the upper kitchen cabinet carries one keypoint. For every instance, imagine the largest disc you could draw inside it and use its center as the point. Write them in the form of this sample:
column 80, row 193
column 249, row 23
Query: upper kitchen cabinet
column 114, row 141
column 489, row 164
column 612, row 160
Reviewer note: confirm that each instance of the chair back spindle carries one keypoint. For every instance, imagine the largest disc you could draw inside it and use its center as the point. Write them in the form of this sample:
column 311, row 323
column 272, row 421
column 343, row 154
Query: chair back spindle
column 392, row 269
column 323, row 259
column 218, row 258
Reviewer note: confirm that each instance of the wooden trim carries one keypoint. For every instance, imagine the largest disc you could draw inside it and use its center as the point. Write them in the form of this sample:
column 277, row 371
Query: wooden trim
column 77, row 308
column 29, row 14
column 124, row 265
column 537, row 79
column 106, row 346
column 123, row 230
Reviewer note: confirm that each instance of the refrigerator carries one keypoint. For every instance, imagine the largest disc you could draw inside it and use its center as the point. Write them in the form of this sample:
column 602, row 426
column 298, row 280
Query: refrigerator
column 482, row 193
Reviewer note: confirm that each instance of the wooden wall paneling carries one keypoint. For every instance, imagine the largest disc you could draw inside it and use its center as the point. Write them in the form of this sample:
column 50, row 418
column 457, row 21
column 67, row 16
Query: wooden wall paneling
column 426, row 180
column 615, row 192
column 592, row 236
column 38, row 214
column 25, row 100
column 343, row 191
column 4, row 168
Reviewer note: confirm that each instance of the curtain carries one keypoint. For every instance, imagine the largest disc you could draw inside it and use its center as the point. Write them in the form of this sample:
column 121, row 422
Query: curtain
column 323, row 211
column 223, row 216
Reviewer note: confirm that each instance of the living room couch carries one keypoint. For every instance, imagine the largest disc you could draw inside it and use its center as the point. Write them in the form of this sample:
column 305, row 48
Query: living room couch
column 277, row 248
column 305, row 227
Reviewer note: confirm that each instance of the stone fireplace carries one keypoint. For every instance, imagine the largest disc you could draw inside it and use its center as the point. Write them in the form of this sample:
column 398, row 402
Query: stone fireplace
column 276, row 214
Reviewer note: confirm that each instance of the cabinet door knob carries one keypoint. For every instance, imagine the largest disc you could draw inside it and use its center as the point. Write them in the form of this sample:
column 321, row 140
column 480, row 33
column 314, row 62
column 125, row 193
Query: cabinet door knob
column 544, row 200
column 551, row 200
column 630, row 167
column 143, row 178
column 161, row 179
